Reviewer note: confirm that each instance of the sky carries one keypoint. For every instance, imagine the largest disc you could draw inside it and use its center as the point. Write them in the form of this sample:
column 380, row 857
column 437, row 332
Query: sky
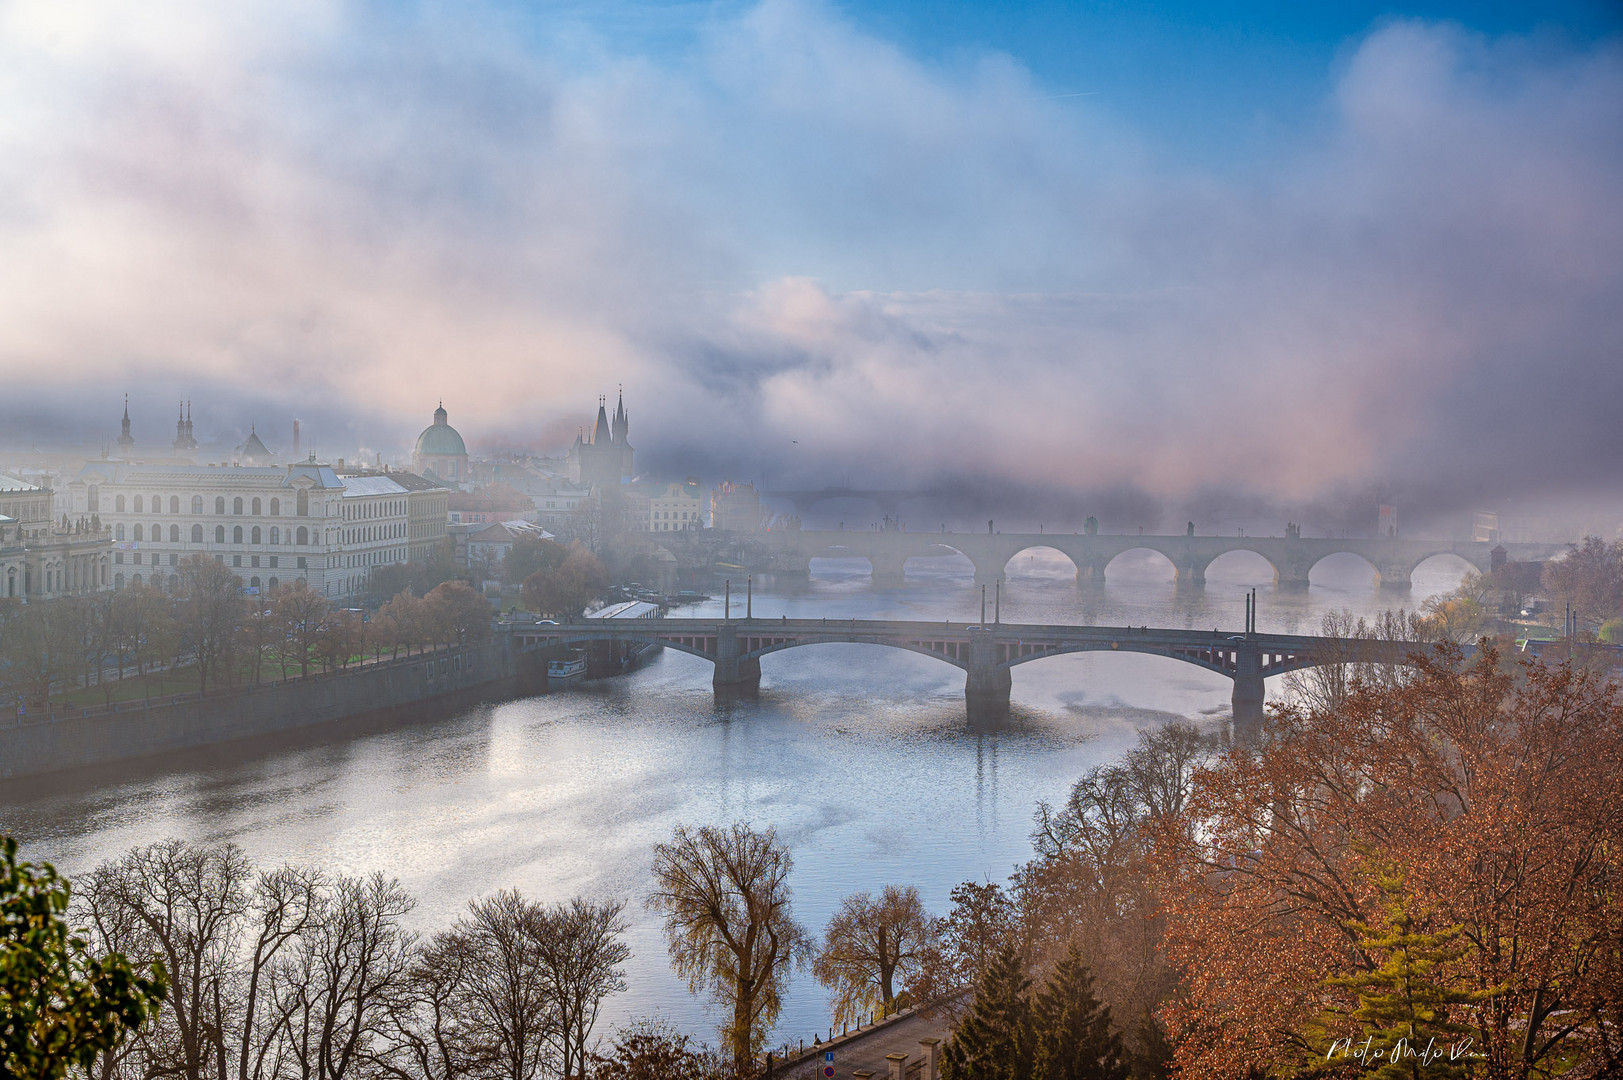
column 1118, row 254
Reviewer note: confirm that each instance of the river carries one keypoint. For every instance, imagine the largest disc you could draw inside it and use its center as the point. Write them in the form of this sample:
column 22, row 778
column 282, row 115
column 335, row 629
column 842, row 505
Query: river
column 858, row 755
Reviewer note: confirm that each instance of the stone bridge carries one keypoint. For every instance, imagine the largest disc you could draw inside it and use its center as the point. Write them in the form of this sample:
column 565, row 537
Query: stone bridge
column 986, row 653
column 1292, row 558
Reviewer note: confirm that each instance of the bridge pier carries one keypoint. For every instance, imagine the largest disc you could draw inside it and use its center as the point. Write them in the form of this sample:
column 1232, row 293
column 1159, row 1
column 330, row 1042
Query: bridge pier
column 1394, row 576
column 888, row 571
column 1192, row 574
column 1092, row 573
column 986, row 689
column 734, row 675
column 1249, row 693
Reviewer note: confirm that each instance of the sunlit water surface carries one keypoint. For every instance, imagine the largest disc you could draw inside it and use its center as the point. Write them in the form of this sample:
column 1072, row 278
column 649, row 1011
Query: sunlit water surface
column 858, row 755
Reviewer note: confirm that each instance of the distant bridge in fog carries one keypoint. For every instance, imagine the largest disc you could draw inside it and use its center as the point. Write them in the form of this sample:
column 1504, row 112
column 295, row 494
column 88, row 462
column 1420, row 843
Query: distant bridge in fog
column 985, row 652
column 1393, row 560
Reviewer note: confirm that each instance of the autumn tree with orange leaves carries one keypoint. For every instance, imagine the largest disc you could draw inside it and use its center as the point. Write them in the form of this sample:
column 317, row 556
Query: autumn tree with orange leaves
column 1482, row 805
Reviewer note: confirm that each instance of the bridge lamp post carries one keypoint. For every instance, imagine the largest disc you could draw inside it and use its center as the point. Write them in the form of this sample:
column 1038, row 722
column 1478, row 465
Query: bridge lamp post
column 749, row 597
column 983, row 605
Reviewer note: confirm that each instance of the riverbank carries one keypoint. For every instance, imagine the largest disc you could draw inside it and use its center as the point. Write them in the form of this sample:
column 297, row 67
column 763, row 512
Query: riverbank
column 406, row 690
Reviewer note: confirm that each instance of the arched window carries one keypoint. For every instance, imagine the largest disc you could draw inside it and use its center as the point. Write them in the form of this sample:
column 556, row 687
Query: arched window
column 118, row 503
column 303, row 537
column 254, row 536
column 219, row 534
column 118, row 581
column 136, row 580
column 138, row 504
column 174, row 504
column 94, row 495
column 273, row 583
column 253, row 582
column 219, row 504
column 275, row 535
column 157, row 504
column 118, row 531
column 174, row 534
column 139, row 535
column 157, row 532
column 236, row 535
column 236, row 505
column 303, row 504
column 197, row 534
column 256, row 507
column 276, row 507
column 197, row 504
column 174, row 583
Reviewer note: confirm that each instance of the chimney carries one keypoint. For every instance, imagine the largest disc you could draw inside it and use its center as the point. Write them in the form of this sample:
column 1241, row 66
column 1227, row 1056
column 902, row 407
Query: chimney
column 295, row 440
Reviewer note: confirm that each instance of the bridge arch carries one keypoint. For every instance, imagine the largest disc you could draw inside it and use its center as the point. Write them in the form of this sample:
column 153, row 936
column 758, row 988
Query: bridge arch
column 941, row 558
column 1138, row 565
column 1242, row 566
column 1040, row 561
column 1444, row 568
column 961, row 664
column 1340, row 564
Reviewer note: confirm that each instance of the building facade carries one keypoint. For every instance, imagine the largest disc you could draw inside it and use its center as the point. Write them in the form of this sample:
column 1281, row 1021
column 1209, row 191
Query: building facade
column 676, row 507
column 42, row 557
column 735, row 507
column 427, row 514
column 272, row 525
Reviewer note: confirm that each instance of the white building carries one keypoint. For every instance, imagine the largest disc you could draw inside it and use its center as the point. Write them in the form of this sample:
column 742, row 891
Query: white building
column 43, row 557
column 377, row 518
column 271, row 524
column 675, row 507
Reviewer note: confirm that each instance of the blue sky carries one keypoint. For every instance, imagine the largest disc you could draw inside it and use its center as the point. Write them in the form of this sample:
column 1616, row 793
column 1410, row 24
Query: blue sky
column 1042, row 246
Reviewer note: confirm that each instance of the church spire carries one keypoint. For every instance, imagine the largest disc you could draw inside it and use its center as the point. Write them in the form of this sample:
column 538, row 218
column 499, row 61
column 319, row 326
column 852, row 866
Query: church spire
column 622, row 422
column 601, row 434
column 126, row 441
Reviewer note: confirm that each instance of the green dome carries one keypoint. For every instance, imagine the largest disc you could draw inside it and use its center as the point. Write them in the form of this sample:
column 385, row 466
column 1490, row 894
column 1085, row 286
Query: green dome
column 440, row 439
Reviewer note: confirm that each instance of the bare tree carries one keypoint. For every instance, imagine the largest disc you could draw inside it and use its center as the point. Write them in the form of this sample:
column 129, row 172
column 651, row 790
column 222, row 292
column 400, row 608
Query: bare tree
column 285, row 903
column 332, row 993
column 182, row 905
column 1354, row 650
column 581, row 949
column 869, row 947
column 505, row 1015
column 725, row 897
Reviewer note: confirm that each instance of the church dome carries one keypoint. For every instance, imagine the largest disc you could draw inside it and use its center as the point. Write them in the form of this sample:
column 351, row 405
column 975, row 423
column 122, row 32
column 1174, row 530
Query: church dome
column 440, row 439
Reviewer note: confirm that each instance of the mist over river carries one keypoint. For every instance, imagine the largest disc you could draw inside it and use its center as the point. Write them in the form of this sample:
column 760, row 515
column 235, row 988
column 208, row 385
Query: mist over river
column 859, row 755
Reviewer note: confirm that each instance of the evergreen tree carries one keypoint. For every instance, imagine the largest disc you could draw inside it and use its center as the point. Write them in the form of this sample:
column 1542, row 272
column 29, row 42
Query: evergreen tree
column 1406, row 1006
column 993, row 1042
column 59, row 1006
column 1071, row 1031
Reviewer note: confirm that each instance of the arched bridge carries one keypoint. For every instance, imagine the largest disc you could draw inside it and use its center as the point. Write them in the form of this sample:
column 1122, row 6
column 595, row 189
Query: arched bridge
column 1393, row 560
column 986, row 653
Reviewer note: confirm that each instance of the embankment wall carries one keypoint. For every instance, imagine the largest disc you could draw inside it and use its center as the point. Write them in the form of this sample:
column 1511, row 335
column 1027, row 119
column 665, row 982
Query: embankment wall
column 415, row 687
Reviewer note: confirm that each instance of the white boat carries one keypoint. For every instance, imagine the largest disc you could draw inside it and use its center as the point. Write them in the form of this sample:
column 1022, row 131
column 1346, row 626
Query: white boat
column 570, row 669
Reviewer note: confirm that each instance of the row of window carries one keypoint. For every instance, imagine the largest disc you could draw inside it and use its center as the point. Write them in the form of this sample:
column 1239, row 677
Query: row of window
column 255, row 506
column 174, row 559
column 374, row 532
column 356, row 511
column 256, row 535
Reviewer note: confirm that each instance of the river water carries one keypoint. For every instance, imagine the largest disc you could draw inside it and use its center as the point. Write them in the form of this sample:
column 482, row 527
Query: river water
column 858, row 755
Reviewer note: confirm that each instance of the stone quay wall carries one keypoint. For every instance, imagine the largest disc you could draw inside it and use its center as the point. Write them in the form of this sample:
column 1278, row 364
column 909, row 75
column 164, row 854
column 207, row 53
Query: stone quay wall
column 408, row 689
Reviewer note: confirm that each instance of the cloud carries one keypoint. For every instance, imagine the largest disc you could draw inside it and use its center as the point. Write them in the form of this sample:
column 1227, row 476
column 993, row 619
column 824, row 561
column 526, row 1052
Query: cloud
column 812, row 256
